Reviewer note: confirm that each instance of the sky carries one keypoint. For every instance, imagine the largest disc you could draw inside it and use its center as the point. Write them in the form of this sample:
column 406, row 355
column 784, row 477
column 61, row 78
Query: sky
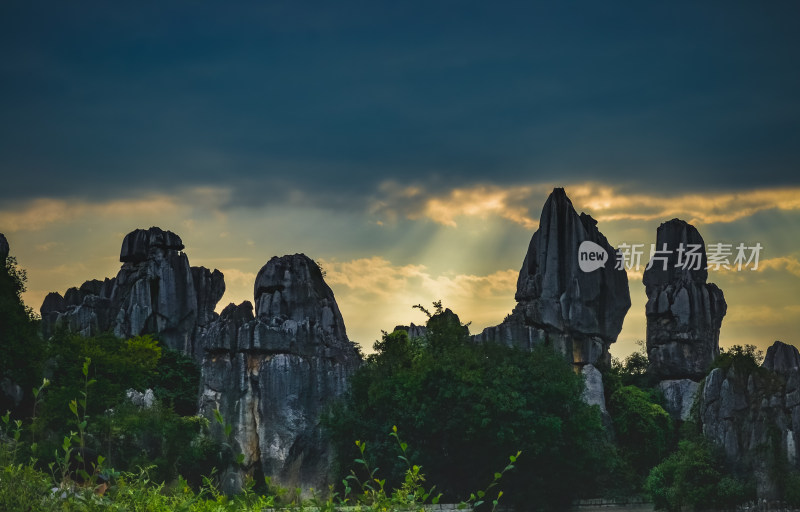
column 407, row 146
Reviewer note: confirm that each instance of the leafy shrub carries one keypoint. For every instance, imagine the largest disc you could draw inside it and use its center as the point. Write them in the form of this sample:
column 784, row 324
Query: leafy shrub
column 21, row 348
column 643, row 428
column 463, row 405
column 792, row 489
column 158, row 438
column 747, row 358
column 695, row 476
column 175, row 381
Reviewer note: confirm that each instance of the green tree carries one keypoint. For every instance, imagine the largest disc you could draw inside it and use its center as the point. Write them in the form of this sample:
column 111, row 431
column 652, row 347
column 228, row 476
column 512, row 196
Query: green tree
column 464, row 407
column 643, row 428
column 747, row 358
column 695, row 477
column 21, row 347
column 175, row 381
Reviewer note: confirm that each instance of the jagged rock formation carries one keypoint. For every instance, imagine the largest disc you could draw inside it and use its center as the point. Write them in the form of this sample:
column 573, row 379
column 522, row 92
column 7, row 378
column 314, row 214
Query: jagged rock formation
column 413, row 330
column 684, row 313
column 782, row 358
column 753, row 413
column 579, row 313
column 272, row 373
column 155, row 291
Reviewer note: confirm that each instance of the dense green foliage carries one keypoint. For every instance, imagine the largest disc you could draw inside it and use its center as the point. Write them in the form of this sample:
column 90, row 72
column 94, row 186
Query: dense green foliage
column 165, row 437
column 116, row 365
column 643, row 428
column 21, row 348
column 175, row 381
column 747, row 358
column 24, row 487
column 631, row 371
column 695, row 476
column 464, row 407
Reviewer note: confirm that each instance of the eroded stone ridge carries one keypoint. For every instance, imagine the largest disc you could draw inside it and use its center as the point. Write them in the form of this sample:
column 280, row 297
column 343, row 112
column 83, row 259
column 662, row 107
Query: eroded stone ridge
column 684, row 313
column 579, row 313
column 754, row 415
column 271, row 372
column 155, row 292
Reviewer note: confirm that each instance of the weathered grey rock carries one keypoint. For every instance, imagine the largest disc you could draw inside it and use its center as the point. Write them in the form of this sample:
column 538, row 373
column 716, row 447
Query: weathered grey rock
column 53, row 303
column 684, row 313
column 272, row 374
column 141, row 400
column 679, row 396
column 413, row 330
column 155, row 292
column 754, row 415
column 4, row 249
column 593, row 394
column 209, row 287
column 144, row 244
column 782, row 358
column 578, row 313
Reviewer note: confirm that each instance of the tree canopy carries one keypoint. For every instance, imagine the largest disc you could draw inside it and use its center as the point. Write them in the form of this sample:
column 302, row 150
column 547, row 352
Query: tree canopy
column 464, row 407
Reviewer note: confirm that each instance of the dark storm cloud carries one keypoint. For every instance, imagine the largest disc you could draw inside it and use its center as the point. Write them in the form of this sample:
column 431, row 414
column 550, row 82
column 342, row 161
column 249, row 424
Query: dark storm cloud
column 286, row 101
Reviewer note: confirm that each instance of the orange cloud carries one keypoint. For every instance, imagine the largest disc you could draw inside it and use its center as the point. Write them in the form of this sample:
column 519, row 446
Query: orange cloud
column 766, row 316
column 374, row 295
column 520, row 204
column 785, row 263
column 40, row 213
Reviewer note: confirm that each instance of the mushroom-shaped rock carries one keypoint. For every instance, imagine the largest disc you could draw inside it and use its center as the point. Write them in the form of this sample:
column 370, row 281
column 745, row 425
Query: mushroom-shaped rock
column 155, row 292
column 138, row 244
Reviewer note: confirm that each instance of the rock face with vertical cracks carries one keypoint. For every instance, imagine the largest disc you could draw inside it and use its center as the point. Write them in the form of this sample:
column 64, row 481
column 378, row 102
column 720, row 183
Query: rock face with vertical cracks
column 753, row 413
column 271, row 371
column 579, row 313
column 684, row 313
column 155, row 292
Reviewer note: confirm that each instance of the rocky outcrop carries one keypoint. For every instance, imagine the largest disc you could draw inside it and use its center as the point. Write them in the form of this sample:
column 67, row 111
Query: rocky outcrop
column 272, row 372
column 579, row 312
column 413, row 330
column 679, row 397
column 684, row 313
column 753, row 413
column 782, row 358
column 155, row 292
column 593, row 393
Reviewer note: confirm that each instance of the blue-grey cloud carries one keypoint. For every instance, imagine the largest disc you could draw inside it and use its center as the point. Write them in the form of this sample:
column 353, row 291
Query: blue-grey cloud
column 281, row 98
